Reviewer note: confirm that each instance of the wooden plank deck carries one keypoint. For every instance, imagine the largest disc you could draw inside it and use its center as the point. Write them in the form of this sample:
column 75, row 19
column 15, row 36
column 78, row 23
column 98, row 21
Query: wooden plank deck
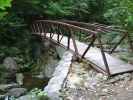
column 94, row 55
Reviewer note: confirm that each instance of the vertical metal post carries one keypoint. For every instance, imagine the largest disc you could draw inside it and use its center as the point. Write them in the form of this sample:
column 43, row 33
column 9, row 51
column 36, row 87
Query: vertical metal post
column 74, row 43
column 35, row 28
column 79, row 35
column 31, row 27
column 103, row 54
column 129, row 40
column 58, row 33
column 68, row 43
column 38, row 28
column 41, row 29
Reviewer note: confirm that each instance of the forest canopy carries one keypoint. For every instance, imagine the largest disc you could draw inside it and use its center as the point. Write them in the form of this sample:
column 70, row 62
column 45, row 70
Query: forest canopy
column 16, row 14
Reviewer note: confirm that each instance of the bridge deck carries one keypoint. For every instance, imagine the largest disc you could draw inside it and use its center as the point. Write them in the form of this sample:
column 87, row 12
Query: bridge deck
column 94, row 56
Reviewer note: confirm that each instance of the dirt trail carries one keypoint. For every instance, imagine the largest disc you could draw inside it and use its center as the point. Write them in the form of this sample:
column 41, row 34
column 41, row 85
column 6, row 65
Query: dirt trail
column 103, row 90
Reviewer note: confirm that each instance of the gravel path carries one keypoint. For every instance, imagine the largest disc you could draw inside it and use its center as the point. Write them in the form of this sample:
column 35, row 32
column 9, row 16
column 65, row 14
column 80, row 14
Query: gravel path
column 100, row 87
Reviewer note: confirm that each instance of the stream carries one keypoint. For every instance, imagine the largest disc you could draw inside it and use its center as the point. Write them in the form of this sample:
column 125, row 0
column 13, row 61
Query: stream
column 31, row 82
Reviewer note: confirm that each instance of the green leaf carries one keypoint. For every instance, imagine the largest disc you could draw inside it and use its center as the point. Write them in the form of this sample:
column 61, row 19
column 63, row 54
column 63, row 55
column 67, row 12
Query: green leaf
column 2, row 15
column 5, row 3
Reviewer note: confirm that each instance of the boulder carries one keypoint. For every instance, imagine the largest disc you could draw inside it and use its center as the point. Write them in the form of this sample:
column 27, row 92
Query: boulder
column 17, row 92
column 54, row 95
column 50, row 67
column 11, row 65
column 126, row 79
column 41, row 75
column 105, row 78
column 37, row 50
column 19, row 78
column 60, row 51
column 46, row 45
column 111, row 80
column 55, row 55
column 15, row 50
column 117, row 78
column 99, row 75
column 89, row 83
column 8, row 86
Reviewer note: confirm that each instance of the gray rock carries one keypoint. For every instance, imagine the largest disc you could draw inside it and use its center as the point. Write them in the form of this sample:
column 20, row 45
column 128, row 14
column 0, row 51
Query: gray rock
column 55, row 55
column 118, row 48
column 56, row 80
column 126, row 79
column 67, row 64
column 28, row 97
column 121, row 77
column 59, row 76
column 47, row 45
column 89, row 83
column 105, row 78
column 68, row 59
column 54, row 95
column 17, row 92
column 132, row 76
column 99, row 75
column 50, row 67
column 41, row 75
column 8, row 86
column 117, row 78
column 111, row 80
column 11, row 65
column 52, row 87
column 19, row 78
column 61, row 71
column 126, row 74
column 60, row 51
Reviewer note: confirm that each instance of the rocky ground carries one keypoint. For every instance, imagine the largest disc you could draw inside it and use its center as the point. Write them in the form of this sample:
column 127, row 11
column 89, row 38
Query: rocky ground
column 84, row 84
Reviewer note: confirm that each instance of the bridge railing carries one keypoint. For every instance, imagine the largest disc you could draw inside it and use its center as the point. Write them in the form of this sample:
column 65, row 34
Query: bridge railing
column 49, row 29
column 104, row 29
column 43, row 27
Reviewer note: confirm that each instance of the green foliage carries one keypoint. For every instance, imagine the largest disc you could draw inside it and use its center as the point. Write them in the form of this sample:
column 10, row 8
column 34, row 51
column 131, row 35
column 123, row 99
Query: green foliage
column 3, row 74
column 120, row 14
column 59, row 9
column 96, row 9
column 2, row 96
column 111, row 38
column 86, row 64
column 42, row 95
column 23, row 12
column 79, row 73
column 124, row 58
column 19, row 59
column 3, row 5
column 2, row 49
column 13, row 98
